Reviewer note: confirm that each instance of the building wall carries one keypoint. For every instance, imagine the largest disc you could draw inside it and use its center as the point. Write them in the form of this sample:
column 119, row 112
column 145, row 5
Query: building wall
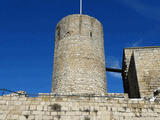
column 147, row 69
column 79, row 62
column 133, row 86
column 77, row 108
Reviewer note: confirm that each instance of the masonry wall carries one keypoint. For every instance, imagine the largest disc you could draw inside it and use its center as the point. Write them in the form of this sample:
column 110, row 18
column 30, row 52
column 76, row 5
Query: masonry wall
column 133, row 86
column 77, row 108
column 79, row 62
column 147, row 68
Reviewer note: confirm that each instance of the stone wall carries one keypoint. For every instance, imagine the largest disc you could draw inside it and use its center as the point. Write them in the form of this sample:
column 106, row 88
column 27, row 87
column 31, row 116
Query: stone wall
column 77, row 108
column 144, row 70
column 133, row 86
column 79, row 62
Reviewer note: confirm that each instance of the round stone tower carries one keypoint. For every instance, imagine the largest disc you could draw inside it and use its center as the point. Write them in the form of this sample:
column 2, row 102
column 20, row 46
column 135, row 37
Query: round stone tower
column 79, row 62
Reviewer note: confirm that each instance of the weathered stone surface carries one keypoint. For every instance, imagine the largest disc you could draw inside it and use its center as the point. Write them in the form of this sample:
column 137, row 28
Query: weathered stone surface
column 79, row 62
column 78, row 108
column 141, row 68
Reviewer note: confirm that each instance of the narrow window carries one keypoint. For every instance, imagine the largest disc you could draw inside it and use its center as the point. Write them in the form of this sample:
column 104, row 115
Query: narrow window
column 58, row 32
column 90, row 34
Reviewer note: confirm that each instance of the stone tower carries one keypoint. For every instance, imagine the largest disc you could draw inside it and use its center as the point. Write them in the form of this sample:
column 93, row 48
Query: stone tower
column 79, row 62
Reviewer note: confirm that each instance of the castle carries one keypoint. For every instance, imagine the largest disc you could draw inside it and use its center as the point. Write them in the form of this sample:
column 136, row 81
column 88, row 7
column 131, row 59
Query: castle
column 79, row 89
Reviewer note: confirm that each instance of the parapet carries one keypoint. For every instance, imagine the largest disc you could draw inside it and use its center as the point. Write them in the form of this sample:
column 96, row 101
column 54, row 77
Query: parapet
column 77, row 108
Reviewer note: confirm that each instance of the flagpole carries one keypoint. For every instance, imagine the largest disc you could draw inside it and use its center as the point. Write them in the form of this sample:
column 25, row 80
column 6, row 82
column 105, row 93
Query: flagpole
column 80, row 7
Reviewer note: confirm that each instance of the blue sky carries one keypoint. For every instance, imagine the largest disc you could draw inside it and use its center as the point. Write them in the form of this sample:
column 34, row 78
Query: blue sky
column 27, row 29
